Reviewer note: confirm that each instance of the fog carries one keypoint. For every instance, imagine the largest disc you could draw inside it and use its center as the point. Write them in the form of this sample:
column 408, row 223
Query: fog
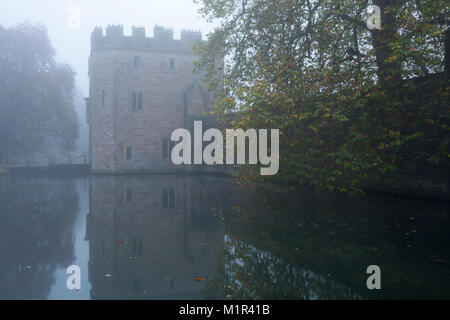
column 141, row 179
column 72, row 45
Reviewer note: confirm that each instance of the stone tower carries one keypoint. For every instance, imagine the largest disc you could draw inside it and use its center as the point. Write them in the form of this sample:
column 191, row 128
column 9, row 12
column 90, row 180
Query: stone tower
column 141, row 89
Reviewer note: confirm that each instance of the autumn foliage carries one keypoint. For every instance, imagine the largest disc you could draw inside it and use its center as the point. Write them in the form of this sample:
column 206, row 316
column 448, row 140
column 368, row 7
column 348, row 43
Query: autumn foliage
column 350, row 102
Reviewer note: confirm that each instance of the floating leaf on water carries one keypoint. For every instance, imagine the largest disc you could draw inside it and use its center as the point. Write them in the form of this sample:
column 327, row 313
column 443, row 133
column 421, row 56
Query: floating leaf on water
column 197, row 278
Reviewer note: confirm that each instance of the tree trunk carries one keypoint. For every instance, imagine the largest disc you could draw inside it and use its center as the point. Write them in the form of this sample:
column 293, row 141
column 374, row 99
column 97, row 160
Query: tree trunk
column 388, row 71
column 447, row 51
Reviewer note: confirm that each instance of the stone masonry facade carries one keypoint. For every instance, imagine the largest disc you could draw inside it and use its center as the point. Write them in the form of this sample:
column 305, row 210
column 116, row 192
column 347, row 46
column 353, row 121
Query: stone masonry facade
column 141, row 90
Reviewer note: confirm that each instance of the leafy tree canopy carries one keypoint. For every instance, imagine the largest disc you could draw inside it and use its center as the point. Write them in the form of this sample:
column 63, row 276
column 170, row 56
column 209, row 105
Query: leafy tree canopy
column 339, row 92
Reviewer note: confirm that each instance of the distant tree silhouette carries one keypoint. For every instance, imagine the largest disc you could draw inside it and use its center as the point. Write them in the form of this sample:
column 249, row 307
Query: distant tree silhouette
column 36, row 93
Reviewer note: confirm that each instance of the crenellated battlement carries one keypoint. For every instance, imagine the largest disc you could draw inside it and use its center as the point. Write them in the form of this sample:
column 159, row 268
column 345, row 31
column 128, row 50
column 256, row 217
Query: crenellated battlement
column 190, row 35
column 97, row 33
column 138, row 32
column 162, row 33
column 114, row 31
column 162, row 39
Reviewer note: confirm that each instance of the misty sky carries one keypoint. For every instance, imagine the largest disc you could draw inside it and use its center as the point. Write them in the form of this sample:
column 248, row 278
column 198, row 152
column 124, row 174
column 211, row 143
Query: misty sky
column 72, row 46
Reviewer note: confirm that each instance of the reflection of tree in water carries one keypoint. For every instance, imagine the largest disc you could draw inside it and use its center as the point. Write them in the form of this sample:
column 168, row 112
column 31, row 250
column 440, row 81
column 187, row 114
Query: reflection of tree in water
column 250, row 273
column 306, row 245
column 36, row 221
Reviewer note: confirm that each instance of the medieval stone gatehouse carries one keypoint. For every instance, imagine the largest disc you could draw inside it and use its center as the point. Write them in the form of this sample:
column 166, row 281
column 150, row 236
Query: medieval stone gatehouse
column 141, row 89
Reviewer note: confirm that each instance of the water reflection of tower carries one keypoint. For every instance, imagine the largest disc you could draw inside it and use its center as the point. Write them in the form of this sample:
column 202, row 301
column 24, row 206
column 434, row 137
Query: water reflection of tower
column 150, row 236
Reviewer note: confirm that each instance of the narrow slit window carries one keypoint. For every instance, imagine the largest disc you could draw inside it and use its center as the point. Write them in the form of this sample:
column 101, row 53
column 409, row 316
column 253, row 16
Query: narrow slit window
column 129, row 153
column 165, row 198
column 137, row 61
column 129, row 195
column 171, row 198
column 137, row 100
column 171, row 64
column 140, row 101
column 165, row 148
column 171, row 145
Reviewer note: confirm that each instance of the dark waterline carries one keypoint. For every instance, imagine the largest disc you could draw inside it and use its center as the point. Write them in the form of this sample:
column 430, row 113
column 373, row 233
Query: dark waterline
column 197, row 237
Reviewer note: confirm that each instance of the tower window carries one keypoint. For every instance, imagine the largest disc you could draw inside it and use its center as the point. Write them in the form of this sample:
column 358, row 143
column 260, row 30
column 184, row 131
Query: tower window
column 140, row 101
column 129, row 153
column 171, row 64
column 167, row 146
column 137, row 100
column 171, row 198
column 103, row 98
column 168, row 197
column 137, row 61
column 165, row 198
column 129, row 195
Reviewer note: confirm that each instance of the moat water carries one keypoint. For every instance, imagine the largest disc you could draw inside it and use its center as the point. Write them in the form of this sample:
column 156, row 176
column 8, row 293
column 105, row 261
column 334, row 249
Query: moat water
column 198, row 237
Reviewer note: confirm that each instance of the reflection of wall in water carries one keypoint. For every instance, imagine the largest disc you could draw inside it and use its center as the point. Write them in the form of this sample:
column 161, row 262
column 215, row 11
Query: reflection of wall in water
column 154, row 235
